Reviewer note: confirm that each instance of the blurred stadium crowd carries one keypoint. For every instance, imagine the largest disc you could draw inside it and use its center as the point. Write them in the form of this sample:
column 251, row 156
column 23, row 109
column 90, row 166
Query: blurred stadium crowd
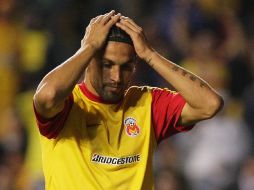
column 212, row 38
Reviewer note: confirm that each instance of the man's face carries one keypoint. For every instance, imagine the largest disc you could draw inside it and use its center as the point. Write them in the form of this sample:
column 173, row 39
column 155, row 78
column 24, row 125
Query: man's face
column 110, row 72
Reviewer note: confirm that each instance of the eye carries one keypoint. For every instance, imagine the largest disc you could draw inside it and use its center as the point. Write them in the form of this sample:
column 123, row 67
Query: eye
column 126, row 67
column 106, row 64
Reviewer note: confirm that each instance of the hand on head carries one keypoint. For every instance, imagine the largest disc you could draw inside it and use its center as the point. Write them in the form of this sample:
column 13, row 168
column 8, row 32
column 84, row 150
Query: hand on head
column 99, row 27
column 141, row 45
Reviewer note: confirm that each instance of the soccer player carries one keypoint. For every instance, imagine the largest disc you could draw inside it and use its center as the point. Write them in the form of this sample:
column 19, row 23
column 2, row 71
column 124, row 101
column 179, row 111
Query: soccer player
column 101, row 133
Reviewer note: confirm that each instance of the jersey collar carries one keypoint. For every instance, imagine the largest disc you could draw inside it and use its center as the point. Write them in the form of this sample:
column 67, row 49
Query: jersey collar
column 92, row 96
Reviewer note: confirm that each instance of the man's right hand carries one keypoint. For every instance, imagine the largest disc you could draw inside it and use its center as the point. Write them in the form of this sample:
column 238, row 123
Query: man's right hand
column 57, row 85
column 98, row 29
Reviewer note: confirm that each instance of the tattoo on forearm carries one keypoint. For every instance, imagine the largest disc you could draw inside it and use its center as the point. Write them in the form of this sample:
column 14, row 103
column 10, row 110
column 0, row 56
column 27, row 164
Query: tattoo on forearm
column 149, row 60
column 184, row 72
column 175, row 68
column 202, row 84
column 191, row 77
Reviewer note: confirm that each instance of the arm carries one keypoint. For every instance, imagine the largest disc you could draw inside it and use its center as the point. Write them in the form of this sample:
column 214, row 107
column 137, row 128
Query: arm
column 58, row 84
column 202, row 102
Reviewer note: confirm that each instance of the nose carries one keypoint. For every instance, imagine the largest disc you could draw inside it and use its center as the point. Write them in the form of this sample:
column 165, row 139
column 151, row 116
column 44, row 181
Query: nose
column 115, row 74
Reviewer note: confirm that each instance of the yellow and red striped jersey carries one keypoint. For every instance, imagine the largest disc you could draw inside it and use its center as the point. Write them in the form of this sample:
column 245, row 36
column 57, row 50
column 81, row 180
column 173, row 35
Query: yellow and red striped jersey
column 92, row 144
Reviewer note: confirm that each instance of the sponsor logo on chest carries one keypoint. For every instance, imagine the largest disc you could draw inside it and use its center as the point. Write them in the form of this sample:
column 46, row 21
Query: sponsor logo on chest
column 100, row 159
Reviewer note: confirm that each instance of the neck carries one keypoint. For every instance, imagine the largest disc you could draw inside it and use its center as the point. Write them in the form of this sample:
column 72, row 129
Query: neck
column 89, row 86
column 90, row 93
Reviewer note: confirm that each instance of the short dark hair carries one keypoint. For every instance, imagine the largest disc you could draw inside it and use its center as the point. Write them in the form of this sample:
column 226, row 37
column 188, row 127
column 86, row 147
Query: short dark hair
column 116, row 34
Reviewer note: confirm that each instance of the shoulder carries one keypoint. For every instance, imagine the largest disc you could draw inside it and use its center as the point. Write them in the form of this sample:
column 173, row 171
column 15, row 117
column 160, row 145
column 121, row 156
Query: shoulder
column 78, row 93
column 149, row 89
column 154, row 91
column 141, row 90
column 135, row 94
column 79, row 98
column 145, row 89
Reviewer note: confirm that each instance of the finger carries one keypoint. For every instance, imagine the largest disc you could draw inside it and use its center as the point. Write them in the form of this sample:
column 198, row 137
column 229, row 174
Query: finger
column 131, row 22
column 125, row 28
column 107, row 17
column 93, row 19
column 113, row 20
column 127, row 23
column 98, row 18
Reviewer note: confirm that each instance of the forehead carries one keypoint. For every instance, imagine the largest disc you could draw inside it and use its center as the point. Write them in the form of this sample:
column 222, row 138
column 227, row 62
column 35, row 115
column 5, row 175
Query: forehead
column 119, row 52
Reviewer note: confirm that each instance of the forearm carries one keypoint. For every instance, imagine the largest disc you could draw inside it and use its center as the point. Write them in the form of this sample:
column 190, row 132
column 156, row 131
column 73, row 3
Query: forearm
column 202, row 102
column 197, row 93
column 58, row 84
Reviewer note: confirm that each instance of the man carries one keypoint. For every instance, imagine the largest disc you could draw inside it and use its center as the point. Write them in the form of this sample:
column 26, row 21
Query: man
column 98, row 134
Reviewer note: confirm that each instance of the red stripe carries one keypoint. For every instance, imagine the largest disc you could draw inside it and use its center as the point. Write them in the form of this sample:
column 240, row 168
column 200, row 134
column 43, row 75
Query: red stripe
column 51, row 127
column 92, row 96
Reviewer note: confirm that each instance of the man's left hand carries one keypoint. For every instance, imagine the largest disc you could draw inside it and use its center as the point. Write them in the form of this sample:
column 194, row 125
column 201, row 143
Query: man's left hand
column 141, row 45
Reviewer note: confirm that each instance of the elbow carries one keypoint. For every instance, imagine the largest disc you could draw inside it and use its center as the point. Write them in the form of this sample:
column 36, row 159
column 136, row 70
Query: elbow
column 213, row 106
column 44, row 98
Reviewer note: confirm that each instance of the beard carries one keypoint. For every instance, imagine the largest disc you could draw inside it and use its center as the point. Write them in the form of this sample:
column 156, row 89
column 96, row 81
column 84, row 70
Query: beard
column 109, row 92
column 111, row 96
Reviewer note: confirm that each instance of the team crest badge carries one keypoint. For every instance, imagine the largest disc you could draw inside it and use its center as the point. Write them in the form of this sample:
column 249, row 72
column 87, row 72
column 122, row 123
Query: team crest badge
column 131, row 127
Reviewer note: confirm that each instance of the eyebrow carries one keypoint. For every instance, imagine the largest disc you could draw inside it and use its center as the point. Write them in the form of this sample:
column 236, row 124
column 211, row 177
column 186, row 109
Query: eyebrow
column 113, row 63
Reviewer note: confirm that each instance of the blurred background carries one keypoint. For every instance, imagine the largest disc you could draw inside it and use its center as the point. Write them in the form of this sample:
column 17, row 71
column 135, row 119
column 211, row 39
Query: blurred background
column 212, row 38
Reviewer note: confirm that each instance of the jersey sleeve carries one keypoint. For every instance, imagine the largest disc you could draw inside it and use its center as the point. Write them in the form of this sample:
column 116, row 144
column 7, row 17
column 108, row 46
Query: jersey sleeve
column 51, row 127
column 166, row 110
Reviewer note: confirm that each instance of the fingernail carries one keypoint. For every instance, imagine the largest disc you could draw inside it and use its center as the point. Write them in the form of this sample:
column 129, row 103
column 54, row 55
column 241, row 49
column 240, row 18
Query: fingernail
column 117, row 15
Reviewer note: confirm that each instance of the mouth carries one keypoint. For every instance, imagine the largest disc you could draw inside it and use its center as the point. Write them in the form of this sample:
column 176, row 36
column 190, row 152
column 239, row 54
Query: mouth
column 113, row 88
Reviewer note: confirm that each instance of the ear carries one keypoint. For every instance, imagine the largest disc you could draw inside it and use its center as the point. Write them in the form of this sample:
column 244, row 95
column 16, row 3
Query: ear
column 87, row 68
column 134, row 67
column 84, row 75
column 137, row 60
